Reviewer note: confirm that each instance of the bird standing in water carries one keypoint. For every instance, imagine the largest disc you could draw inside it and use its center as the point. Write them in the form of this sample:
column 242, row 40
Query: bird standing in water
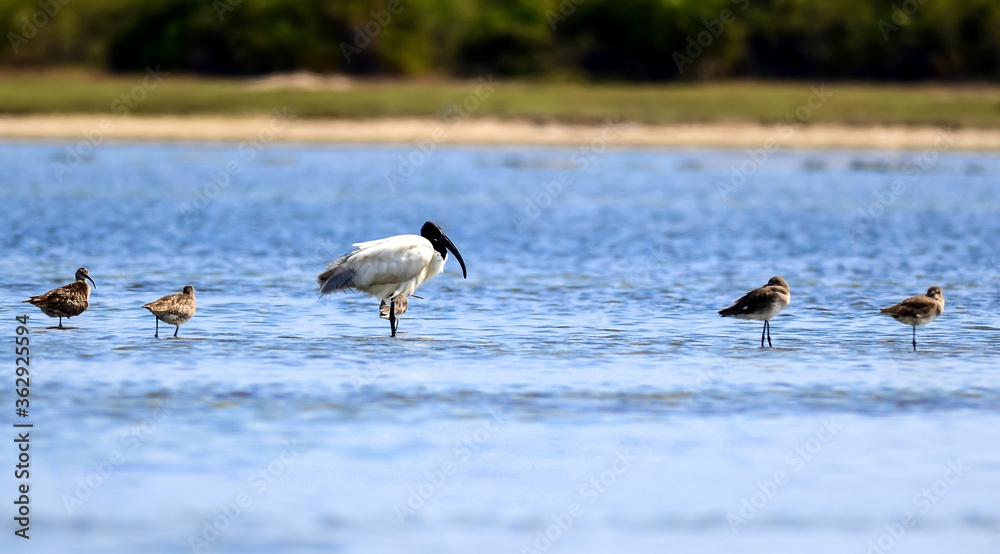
column 761, row 304
column 66, row 301
column 918, row 310
column 391, row 268
column 173, row 309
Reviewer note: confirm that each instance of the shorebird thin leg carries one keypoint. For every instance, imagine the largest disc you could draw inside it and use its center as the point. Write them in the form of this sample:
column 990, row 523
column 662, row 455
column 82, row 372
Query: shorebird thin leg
column 60, row 323
column 392, row 316
column 914, row 338
column 176, row 329
column 768, row 323
column 762, row 331
column 156, row 334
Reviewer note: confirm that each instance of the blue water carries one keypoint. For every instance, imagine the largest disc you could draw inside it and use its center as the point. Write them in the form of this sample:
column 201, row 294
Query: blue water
column 578, row 384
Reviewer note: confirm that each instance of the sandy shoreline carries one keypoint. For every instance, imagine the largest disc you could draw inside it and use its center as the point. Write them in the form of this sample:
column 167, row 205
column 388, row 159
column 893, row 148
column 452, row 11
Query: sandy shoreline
column 483, row 131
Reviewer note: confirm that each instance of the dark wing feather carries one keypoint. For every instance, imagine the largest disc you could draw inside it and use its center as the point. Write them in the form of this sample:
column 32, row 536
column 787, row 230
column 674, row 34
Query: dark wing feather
column 747, row 304
column 339, row 275
column 70, row 300
column 916, row 306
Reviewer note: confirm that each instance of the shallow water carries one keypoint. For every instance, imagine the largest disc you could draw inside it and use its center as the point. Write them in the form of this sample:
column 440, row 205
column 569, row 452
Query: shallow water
column 579, row 383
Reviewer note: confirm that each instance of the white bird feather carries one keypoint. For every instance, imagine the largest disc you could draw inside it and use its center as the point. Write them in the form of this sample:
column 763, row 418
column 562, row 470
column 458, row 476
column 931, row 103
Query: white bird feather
column 390, row 267
column 384, row 268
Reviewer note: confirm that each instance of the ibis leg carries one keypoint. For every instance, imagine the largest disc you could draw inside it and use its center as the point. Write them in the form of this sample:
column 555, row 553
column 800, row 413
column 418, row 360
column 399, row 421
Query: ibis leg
column 768, row 324
column 392, row 316
column 60, row 323
column 914, row 338
column 176, row 329
column 762, row 331
column 156, row 335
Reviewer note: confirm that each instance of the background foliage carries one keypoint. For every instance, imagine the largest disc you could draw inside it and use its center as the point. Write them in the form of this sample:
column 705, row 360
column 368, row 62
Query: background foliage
column 598, row 39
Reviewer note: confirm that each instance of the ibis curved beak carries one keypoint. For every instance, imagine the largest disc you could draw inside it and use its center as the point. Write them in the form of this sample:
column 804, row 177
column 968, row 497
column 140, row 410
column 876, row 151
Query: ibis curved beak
column 91, row 281
column 458, row 256
column 432, row 232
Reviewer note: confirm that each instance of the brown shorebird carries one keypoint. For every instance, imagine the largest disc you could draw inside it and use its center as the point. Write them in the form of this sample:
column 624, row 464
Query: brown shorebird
column 918, row 310
column 68, row 300
column 173, row 309
column 402, row 304
column 761, row 304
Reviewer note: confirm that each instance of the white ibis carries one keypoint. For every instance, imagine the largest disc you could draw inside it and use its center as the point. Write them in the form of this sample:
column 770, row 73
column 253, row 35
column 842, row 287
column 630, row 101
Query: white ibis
column 761, row 304
column 391, row 268
column 66, row 301
column 173, row 309
column 918, row 310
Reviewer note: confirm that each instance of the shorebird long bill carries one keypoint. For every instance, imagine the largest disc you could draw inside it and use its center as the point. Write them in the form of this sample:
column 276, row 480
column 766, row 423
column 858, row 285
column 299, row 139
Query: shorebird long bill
column 66, row 301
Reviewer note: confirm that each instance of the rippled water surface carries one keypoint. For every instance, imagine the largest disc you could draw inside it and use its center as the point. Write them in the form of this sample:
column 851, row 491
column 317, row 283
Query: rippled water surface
column 577, row 393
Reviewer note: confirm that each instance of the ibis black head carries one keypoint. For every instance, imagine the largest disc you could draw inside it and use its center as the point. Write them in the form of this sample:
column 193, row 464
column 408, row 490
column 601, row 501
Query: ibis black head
column 442, row 244
column 82, row 274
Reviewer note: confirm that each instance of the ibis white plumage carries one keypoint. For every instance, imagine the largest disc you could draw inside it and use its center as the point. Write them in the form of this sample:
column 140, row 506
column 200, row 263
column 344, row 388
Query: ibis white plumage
column 391, row 267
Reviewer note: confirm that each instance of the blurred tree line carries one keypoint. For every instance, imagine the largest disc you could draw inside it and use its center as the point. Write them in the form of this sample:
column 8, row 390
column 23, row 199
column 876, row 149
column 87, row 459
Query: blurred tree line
column 602, row 39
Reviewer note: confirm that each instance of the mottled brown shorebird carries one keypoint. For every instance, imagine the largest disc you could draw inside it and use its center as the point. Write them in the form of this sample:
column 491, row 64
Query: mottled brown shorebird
column 761, row 304
column 68, row 300
column 402, row 304
column 173, row 309
column 918, row 310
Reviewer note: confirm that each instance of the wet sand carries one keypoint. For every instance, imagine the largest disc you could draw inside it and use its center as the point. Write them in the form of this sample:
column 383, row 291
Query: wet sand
column 96, row 128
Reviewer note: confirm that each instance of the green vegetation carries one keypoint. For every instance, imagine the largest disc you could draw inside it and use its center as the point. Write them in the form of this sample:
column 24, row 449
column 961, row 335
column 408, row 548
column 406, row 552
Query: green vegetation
column 765, row 102
column 646, row 40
